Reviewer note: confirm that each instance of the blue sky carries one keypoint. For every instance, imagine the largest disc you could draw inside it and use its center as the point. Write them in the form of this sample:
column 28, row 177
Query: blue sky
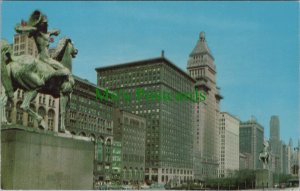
column 255, row 45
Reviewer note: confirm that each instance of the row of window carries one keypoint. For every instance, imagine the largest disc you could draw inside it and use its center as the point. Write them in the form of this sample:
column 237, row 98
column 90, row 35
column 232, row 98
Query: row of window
column 41, row 97
column 20, row 117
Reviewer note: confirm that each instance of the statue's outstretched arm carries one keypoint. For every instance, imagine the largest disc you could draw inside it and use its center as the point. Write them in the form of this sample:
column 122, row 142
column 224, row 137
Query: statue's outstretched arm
column 24, row 29
column 54, row 32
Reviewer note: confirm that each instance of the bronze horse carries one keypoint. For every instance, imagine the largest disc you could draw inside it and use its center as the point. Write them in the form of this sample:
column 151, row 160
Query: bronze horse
column 34, row 76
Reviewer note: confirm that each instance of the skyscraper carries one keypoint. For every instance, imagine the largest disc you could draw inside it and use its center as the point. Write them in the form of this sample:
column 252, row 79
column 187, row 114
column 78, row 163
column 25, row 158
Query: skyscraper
column 150, row 88
column 275, row 143
column 251, row 142
column 201, row 67
column 274, row 128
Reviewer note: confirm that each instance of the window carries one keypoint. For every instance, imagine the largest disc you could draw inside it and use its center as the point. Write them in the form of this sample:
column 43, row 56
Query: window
column 40, row 99
column 30, row 118
column 51, row 115
column 19, row 114
column 16, row 40
column 22, row 38
column 42, row 112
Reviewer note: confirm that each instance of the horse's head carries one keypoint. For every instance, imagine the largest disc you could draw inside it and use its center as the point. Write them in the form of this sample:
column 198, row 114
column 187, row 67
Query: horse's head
column 71, row 48
column 65, row 47
column 64, row 52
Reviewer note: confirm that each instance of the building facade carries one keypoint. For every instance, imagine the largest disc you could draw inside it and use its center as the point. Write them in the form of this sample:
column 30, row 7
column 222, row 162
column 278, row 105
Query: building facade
column 90, row 117
column 46, row 106
column 22, row 44
column 201, row 67
column 285, row 159
column 289, row 153
column 295, row 159
column 116, row 174
column 151, row 88
column 245, row 161
column 251, row 142
column 130, row 131
column 229, row 144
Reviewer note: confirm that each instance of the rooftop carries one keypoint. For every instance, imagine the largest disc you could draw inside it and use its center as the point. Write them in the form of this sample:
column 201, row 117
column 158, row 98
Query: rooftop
column 85, row 81
column 142, row 63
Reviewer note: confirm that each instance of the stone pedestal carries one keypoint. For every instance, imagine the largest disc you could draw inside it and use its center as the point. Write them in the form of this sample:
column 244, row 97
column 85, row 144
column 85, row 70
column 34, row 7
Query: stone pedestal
column 37, row 160
column 264, row 179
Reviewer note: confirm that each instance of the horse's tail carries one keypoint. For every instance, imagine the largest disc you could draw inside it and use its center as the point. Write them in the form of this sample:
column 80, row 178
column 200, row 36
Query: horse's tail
column 5, row 74
column 6, row 51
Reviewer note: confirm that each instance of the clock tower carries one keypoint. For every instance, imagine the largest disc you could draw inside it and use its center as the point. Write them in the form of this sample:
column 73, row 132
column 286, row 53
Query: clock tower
column 201, row 67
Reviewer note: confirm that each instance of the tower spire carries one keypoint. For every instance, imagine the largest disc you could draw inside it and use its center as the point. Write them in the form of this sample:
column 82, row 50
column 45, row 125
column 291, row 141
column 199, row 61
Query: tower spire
column 201, row 46
column 202, row 36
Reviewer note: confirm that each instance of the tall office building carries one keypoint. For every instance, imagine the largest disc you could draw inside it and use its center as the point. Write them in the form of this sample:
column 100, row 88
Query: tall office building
column 229, row 144
column 153, row 89
column 274, row 128
column 275, row 144
column 201, row 67
column 251, row 142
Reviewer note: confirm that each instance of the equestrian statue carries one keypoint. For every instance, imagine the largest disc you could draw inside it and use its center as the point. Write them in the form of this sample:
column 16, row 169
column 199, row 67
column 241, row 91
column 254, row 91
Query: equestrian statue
column 44, row 74
column 264, row 156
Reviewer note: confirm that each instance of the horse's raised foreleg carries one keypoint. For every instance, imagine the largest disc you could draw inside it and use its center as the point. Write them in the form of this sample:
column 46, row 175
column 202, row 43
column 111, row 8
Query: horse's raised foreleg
column 28, row 97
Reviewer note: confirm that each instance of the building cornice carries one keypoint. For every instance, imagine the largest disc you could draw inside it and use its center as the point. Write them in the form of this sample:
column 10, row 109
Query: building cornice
column 156, row 60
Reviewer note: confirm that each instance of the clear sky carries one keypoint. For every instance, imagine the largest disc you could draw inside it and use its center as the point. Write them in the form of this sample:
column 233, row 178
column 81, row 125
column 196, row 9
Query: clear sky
column 255, row 45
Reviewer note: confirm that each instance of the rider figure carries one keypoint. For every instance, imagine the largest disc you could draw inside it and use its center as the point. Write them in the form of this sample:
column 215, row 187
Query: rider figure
column 37, row 28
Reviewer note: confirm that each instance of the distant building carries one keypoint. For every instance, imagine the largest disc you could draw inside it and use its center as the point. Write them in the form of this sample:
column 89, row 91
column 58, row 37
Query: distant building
column 251, row 142
column 22, row 44
column 229, row 144
column 201, row 67
column 285, row 167
column 275, row 144
column 290, row 156
column 93, row 118
column 169, row 128
column 295, row 159
column 245, row 161
column 130, row 131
